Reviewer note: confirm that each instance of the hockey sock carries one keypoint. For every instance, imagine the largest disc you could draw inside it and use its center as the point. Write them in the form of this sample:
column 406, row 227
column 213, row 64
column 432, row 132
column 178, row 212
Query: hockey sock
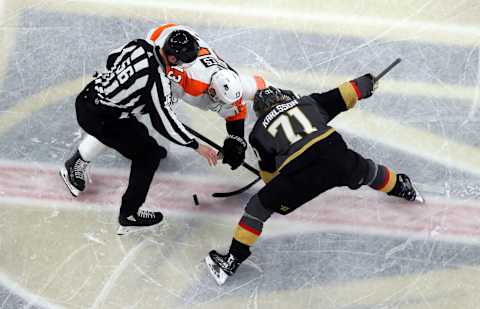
column 90, row 147
column 384, row 179
column 249, row 228
column 239, row 250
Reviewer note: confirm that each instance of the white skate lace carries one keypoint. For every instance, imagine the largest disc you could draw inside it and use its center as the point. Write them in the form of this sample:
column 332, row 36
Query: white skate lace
column 145, row 214
column 79, row 169
column 227, row 263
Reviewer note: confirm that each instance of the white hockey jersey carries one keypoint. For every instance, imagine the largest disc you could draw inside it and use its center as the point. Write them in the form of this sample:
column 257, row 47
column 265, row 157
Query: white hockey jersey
column 190, row 82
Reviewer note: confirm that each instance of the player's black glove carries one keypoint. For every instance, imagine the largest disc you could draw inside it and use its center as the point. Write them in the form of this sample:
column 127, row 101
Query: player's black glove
column 289, row 93
column 365, row 85
column 234, row 151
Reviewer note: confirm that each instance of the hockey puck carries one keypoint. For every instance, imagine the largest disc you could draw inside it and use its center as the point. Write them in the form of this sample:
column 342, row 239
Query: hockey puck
column 195, row 199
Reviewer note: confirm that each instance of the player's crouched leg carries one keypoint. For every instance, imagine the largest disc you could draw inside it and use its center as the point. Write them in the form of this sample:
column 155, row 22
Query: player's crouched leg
column 222, row 266
column 398, row 185
column 378, row 177
column 283, row 194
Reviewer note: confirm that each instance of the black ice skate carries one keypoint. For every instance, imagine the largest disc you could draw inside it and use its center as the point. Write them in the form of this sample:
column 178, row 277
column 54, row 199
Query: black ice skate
column 221, row 266
column 142, row 220
column 405, row 189
column 74, row 174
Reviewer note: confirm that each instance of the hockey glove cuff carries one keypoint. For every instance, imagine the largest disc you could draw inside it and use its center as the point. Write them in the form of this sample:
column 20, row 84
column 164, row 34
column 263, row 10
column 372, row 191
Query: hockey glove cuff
column 364, row 86
column 234, row 148
column 289, row 93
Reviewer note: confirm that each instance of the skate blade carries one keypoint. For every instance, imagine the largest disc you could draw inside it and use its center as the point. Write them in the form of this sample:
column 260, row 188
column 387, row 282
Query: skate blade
column 419, row 198
column 124, row 230
column 74, row 191
column 218, row 274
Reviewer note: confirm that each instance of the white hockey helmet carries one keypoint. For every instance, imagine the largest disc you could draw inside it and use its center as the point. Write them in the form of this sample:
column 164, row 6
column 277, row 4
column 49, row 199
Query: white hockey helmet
column 225, row 87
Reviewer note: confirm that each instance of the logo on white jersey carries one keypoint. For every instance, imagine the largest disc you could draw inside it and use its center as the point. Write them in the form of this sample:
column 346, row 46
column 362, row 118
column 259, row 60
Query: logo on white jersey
column 175, row 78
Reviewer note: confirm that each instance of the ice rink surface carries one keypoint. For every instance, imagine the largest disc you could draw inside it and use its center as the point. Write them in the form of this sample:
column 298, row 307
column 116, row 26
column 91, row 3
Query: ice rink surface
column 345, row 249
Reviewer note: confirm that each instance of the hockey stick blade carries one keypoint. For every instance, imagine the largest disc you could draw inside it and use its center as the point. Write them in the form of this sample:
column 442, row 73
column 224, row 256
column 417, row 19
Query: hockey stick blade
column 390, row 67
column 228, row 194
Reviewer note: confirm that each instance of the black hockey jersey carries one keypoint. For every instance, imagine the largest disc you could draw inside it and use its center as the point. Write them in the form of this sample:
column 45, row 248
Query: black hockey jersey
column 135, row 84
column 289, row 129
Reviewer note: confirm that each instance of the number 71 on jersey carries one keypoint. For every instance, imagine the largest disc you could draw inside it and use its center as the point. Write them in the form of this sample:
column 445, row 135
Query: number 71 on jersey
column 284, row 121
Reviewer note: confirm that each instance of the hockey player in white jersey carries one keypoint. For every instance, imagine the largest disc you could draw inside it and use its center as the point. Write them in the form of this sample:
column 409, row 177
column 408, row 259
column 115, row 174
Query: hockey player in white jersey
column 199, row 77
column 209, row 83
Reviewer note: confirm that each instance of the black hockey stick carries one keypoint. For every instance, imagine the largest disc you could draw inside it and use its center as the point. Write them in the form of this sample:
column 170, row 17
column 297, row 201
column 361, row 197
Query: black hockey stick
column 218, row 147
column 244, row 164
column 391, row 66
column 232, row 193
column 249, row 167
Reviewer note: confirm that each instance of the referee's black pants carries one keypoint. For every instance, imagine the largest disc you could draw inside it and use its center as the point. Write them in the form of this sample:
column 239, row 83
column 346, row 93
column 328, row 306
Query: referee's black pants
column 130, row 138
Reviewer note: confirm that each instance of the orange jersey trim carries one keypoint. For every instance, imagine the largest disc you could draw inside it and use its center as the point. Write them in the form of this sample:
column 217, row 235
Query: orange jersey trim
column 195, row 87
column 242, row 111
column 156, row 33
column 260, row 82
column 191, row 86
column 203, row 52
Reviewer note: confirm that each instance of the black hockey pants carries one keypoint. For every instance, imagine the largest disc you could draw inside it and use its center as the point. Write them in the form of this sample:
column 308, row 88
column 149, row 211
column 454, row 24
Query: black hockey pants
column 324, row 166
column 130, row 138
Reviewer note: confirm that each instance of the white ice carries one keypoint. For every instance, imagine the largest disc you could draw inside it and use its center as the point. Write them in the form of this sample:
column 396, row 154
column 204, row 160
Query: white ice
column 345, row 249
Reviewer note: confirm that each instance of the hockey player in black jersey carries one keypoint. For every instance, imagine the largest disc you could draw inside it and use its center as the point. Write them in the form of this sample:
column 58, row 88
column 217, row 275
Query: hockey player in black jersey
column 114, row 108
column 300, row 157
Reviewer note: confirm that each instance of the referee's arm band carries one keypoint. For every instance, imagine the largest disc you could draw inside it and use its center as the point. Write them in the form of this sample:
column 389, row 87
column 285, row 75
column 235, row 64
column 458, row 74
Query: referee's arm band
column 193, row 144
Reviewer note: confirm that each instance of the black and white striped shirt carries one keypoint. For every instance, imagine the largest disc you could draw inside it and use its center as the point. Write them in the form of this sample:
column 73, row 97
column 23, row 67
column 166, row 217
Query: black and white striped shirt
column 135, row 84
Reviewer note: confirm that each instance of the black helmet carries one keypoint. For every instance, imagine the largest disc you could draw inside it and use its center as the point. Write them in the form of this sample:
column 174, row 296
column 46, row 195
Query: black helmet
column 266, row 99
column 182, row 45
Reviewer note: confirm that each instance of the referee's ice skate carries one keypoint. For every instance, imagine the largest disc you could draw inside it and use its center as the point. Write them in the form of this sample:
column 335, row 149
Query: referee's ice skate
column 140, row 221
column 74, row 174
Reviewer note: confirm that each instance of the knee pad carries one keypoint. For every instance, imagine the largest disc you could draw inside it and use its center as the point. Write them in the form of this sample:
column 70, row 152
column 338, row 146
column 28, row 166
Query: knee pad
column 364, row 173
column 256, row 210
column 372, row 170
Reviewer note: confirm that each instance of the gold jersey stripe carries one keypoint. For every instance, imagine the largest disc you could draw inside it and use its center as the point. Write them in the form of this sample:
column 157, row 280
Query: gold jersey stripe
column 304, row 148
column 348, row 94
column 267, row 176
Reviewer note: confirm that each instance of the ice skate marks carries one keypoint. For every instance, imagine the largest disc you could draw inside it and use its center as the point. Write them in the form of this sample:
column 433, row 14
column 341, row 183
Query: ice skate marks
column 125, row 230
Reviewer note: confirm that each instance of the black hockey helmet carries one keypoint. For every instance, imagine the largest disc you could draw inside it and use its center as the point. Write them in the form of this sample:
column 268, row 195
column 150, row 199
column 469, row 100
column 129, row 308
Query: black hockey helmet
column 266, row 99
column 183, row 45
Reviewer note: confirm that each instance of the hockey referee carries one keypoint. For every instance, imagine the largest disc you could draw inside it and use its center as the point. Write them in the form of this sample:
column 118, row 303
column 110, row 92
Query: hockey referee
column 134, row 87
